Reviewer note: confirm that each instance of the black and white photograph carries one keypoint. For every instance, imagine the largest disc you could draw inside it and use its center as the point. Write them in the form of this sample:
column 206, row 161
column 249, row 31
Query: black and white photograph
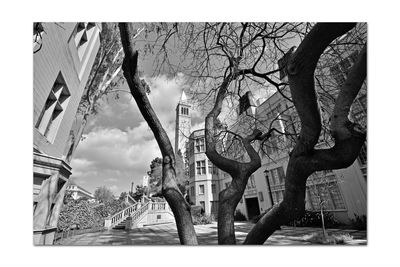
column 199, row 133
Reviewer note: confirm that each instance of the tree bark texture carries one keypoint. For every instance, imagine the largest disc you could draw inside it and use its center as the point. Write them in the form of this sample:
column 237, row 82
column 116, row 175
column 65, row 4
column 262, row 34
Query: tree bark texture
column 170, row 190
column 304, row 159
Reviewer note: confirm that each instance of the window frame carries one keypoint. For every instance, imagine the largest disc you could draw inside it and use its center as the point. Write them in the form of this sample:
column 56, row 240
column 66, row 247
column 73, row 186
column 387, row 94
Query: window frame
column 202, row 192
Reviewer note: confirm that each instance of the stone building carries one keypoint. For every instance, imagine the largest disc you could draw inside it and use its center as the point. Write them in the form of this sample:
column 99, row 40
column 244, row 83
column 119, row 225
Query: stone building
column 63, row 57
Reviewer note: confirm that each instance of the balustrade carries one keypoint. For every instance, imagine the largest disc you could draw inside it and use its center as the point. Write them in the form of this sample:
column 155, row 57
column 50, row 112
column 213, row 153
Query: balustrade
column 135, row 211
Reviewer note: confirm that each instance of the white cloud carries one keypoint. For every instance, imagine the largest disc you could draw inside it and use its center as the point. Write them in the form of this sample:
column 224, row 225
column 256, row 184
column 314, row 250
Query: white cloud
column 119, row 145
column 110, row 180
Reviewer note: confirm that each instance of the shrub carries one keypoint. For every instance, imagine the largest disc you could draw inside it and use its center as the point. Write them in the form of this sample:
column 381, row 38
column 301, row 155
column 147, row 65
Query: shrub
column 359, row 222
column 313, row 219
column 195, row 210
column 202, row 219
column 80, row 214
column 310, row 219
column 239, row 216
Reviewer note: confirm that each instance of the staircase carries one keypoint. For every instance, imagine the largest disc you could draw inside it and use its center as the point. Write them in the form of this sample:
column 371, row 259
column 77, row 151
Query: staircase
column 136, row 213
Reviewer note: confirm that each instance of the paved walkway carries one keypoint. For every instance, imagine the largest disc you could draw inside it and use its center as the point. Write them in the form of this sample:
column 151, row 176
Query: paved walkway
column 166, row 234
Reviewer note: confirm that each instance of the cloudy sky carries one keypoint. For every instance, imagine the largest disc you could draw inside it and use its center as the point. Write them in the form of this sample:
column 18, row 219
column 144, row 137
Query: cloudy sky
column 118, row 145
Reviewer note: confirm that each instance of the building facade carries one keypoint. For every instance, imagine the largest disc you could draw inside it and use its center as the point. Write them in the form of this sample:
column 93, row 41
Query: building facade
column 63, row 57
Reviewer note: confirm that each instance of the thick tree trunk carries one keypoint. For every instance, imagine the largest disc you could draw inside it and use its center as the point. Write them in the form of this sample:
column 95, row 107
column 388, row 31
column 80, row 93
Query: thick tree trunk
column 228, row 201
column 304, row 159
column 170, row 190
column 240, row 172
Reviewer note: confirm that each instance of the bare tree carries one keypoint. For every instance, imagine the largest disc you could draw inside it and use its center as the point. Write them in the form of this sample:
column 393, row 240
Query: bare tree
column 304, row 158
column 170, row 190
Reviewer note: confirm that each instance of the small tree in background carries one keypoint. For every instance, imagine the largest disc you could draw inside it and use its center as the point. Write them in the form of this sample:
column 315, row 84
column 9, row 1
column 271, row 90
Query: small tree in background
column 103, row 194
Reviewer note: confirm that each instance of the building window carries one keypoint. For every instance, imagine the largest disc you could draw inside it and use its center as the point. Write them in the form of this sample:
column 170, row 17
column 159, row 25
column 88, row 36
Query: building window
column 184, row 111
column 211, row 168
column 327, row 195
column 82, row 34
column 213, row 188
column 251, row 183
column 277, row 197
column 53, row 111
column 260, row 196
column 277, row 176
column 201, row 167
column 201, row 189
column 199, row 144
column 336, row 197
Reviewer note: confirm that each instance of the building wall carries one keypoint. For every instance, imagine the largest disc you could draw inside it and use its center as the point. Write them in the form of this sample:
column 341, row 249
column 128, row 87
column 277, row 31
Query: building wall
column 196, row 180
column 59, row 54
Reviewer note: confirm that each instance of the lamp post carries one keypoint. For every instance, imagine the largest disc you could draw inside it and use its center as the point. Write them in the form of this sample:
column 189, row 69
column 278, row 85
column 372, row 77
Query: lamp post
column 269, row 187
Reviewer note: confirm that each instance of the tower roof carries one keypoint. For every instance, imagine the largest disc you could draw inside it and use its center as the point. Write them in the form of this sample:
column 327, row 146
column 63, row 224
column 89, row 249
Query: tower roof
column 183, row 97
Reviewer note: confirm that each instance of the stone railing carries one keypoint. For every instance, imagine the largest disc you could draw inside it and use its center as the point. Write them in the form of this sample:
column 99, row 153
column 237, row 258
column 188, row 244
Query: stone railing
column 120, row 216
column 146, row 199
column 135, row 216
column 135, row 212
column 130, row 199
column 158, row 206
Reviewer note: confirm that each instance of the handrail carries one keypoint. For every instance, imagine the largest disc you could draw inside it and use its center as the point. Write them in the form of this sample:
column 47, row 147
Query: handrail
column 140, row 211
column 135, row 211
column 120, row 216
column 146, row 198
column 128, row 197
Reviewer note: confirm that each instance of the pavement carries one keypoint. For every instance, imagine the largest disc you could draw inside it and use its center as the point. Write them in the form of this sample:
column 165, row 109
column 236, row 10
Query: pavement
column 166, row 234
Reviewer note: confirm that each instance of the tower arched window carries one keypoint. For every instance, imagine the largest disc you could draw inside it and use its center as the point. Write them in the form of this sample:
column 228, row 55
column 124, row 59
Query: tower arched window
column 184, row 111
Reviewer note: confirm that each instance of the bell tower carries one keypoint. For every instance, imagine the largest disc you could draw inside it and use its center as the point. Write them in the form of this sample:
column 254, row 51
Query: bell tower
column 183, row 123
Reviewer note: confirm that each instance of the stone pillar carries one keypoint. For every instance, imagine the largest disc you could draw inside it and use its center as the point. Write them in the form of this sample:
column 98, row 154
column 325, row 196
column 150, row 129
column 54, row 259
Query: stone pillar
column 107, row 223
column 128, row 223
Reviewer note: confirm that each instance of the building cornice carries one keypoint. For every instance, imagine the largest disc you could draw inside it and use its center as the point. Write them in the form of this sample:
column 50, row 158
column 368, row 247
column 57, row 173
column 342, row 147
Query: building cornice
column 42, row 160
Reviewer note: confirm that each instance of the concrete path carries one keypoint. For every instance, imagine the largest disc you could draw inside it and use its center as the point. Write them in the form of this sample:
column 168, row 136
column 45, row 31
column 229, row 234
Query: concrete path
column 166, row 234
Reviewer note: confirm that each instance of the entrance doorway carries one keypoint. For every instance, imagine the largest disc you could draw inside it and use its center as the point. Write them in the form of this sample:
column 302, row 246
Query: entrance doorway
column 253, row 209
